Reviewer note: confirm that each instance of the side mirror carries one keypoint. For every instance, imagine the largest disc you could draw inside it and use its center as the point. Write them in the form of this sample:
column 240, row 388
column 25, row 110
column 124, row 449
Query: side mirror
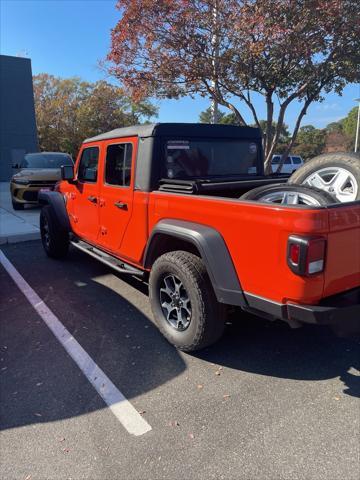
column 67, row 172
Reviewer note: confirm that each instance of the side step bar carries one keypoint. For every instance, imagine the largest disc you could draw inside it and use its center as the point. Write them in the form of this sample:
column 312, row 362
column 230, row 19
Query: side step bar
column 106, row 258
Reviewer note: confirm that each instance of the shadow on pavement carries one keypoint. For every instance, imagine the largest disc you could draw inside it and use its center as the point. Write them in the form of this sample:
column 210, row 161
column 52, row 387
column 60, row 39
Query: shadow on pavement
column 39, row 381
column 251, row 344
column 109, row 316
column 312, row 352
column 272, row 348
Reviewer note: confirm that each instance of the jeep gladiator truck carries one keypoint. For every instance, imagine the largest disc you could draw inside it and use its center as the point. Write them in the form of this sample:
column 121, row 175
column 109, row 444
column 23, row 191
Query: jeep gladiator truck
column 162, row 201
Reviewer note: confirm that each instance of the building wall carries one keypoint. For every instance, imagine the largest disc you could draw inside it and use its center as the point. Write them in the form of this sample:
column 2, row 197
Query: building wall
column 17, row 113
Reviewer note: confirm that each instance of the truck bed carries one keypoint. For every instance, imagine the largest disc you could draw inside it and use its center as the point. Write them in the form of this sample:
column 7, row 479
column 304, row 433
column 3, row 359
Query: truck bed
column 256, row 235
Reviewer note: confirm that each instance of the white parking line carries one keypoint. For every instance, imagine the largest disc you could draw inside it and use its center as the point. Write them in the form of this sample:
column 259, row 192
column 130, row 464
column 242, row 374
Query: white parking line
column 127, row 415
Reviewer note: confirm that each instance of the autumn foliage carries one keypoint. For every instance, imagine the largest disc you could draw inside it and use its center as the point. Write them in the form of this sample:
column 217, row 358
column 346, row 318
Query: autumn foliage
column 68, row 110
column 285, row 50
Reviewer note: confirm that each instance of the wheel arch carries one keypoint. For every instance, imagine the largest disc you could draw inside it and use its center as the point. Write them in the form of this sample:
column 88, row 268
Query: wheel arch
column 56, row 201
column 208, row 244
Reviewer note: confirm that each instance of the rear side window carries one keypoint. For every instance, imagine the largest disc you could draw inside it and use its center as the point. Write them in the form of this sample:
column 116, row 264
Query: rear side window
column 88, row 165
column 275, row 160
column 296, row 160
column 189, row 158
column 118, row 164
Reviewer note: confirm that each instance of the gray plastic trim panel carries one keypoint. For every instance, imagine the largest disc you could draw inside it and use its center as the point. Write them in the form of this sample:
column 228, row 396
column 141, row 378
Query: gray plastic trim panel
column 213, row 251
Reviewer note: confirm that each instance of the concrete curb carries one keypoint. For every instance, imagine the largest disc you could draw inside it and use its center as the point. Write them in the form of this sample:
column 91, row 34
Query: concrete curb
column 22, row 237
column 16, row 226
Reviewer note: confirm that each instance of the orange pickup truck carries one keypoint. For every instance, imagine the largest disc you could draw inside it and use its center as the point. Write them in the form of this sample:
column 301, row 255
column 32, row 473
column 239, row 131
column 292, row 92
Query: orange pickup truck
column 162, row 201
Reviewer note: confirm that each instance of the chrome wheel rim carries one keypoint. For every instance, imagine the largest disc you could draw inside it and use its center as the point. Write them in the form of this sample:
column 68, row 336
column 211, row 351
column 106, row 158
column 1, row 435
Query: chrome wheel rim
column 285, row 197
column 337, row 181
column 175, row 303
column 46, row 232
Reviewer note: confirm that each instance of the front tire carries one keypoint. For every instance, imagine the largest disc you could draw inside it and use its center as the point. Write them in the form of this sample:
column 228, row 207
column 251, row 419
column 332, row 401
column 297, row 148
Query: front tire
column 55, row 241
column 18, row 206
column 183, row 301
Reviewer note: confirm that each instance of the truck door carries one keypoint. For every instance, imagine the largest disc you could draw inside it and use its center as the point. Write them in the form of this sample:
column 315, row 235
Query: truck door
column 85, row 217
column 116, row 192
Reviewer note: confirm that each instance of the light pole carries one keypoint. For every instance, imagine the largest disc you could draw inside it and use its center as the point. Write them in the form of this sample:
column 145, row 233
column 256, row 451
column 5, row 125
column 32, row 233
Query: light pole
column 214, row 108
column 357, row 126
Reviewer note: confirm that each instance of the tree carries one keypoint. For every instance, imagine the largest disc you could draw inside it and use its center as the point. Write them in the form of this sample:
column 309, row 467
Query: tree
column 340, row 135
column 70, row 110
column 309, row 142
column 283, row 137
column 223, row 118
column 336, row 141
column 206, row 116
column 334, row 127
column 349, row 123
column 287, row 51
column 231, row 119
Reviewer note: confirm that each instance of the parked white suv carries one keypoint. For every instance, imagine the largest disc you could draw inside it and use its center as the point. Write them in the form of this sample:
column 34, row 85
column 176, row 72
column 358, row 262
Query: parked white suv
column 292, row 163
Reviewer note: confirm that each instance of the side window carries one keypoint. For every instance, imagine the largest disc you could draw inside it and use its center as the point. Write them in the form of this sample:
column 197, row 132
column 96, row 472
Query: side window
column 275, row 160
column 287, row 161
column 118, row 164
column 88, row 165
column 296, row 160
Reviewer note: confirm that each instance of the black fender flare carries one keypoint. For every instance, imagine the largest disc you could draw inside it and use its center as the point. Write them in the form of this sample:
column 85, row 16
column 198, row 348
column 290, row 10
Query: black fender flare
column 213, row 251
column 57, row 204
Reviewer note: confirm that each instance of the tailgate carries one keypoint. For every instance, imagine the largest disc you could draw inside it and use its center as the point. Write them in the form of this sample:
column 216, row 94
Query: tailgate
column 343, row 250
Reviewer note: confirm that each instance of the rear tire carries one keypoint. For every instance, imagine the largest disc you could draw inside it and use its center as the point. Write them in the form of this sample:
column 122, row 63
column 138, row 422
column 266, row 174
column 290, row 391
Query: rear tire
column 205, row 323
column 55, row 241
column 18, row 206
column 286, row 194
column 321, row 172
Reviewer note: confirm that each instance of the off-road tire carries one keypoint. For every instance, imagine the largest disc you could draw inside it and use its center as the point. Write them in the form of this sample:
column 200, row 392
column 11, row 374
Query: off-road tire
column 57, row 243
column 208, row 315
column 347, row 161
column 257, row 194
column 17, row 206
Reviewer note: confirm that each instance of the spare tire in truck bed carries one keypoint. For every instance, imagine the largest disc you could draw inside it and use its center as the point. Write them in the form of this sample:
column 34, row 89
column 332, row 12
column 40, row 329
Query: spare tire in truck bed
column 286, row 194
column 336, row 173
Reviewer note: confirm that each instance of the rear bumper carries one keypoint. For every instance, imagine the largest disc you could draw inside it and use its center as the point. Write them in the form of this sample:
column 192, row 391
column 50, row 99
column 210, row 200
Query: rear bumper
column 340, row 308
column 344, row 307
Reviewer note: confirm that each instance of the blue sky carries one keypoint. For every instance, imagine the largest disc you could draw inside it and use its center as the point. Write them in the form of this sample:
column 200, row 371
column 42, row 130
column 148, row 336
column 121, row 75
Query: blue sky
column 68, row 37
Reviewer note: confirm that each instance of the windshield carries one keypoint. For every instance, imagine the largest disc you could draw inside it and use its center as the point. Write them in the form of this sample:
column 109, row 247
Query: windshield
column 44, row 160
column 194, row 158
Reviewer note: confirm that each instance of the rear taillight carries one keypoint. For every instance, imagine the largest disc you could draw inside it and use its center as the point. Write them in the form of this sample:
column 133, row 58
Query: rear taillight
column 306, row 255
column 294, row 253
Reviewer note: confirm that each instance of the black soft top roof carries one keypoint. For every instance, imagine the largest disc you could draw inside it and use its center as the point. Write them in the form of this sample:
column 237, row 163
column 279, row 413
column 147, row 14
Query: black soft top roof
column 180, row 129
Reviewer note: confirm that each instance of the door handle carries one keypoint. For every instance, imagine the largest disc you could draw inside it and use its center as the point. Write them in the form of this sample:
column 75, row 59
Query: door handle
column 92, row 199
column 121, row 205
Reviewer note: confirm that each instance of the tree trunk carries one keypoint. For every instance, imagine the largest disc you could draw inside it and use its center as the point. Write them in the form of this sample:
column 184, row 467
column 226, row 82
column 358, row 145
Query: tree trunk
column 279, row 126
column 294, row 135
column 269, row 120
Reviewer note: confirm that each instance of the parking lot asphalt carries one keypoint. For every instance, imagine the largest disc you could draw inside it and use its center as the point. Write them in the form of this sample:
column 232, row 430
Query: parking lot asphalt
column 264, row 402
